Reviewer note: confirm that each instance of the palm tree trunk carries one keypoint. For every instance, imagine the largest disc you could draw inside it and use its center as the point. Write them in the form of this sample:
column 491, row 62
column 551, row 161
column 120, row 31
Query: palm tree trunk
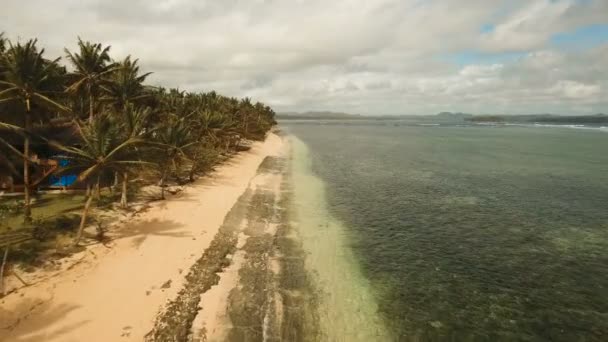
column 90, row 104
column 2, row 271
column 123, row 196
column 193, row 167
column 115, row 185
column 192, row 172
column 98, row 189
column 27, row 210
column 162, row 184
column 83, row 220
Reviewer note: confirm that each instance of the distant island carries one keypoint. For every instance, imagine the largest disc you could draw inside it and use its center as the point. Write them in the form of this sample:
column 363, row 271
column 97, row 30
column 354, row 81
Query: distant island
column 596, row 119
column 450, row 115
column 329, row 115
column 318, row 115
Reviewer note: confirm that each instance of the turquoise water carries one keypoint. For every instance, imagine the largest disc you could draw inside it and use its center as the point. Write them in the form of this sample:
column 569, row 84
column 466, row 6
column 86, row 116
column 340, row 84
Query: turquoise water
column 348, row 309
column 458, row 233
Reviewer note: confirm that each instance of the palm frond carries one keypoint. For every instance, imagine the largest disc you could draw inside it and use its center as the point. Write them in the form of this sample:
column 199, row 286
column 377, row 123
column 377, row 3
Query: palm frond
column 50, row 102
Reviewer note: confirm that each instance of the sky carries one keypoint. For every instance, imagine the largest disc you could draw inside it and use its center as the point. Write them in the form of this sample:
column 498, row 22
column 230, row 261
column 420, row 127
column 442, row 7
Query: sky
column 366, row 56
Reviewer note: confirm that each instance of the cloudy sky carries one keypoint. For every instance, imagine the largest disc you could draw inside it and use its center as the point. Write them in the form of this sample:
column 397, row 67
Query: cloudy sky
column 365, row 56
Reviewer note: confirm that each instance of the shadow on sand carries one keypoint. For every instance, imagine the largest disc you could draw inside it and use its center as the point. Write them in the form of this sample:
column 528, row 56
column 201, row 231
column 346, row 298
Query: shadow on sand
column 47, row 325
column 142, row 230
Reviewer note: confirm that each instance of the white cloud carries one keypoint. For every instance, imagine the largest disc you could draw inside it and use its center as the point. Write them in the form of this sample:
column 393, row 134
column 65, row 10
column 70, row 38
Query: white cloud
column 481, row 70
column 533, row 24
column 528, row 28
column 376, row 56
column 576, row 90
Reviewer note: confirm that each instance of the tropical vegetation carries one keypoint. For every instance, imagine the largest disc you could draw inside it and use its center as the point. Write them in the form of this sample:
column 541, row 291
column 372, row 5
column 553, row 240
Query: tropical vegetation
column 107, row 126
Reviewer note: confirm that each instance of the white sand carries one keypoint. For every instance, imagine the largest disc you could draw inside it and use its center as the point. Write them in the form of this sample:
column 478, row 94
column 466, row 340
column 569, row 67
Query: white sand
column 115, row 293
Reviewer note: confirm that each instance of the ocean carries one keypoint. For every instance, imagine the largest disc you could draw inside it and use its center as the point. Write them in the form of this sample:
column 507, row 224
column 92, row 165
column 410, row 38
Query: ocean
column 453, row 232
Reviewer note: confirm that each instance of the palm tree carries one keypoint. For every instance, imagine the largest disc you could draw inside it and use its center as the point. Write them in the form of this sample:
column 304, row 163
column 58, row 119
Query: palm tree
column 134, row 123
column 188, row 128
column 207, row 127
column 245, row 109
column 174, row 138
column 26, row 79
column 122, row 88
column 92, row 66
column 104, row 149
column 2, row 43
column 125, row 85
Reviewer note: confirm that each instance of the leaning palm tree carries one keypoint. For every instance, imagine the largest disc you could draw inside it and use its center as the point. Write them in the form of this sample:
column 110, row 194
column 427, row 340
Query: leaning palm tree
column 103, row 149
column 91, row 67
column 27, row 78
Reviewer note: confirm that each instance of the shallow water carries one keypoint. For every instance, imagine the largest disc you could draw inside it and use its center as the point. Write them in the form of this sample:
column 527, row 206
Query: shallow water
column 347, row 310
column 459, row 233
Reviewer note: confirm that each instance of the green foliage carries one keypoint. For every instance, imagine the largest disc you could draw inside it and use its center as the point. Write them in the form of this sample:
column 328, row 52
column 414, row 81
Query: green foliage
column 117, row 126
column 92, row 67
column 9, row 208
column 46, row 233
column 105, row 147
column 125, row 85
column 28, row 78
column 2, row 42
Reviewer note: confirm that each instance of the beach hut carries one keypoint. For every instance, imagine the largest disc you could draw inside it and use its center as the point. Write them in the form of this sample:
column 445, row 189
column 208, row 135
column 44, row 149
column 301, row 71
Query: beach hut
column 44, row 160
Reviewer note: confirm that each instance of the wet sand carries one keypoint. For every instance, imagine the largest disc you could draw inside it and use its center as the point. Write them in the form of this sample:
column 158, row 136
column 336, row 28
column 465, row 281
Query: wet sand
column 148, row 284
column 251, row 283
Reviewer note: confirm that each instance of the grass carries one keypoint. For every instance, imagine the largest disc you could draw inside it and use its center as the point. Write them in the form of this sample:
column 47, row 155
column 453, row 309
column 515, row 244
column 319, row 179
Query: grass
column 55, row 217
column 45, row 207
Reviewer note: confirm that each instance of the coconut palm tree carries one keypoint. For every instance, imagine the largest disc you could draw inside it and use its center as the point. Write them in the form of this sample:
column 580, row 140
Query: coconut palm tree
column 187, row 128
column 27, row 79
column 245, row 109
column 104, row 149
column 2, row 43
column 207, row 127
column 122, row 88
column 125, row 85
column 174, row 138
column 91, row 68
column 134, row 123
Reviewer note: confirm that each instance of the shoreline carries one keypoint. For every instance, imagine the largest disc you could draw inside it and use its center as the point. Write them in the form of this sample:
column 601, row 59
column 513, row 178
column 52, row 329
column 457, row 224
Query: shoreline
column 115, row 293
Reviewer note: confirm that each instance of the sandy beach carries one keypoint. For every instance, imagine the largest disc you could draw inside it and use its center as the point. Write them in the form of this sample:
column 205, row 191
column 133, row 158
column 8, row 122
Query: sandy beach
column 125, row 291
